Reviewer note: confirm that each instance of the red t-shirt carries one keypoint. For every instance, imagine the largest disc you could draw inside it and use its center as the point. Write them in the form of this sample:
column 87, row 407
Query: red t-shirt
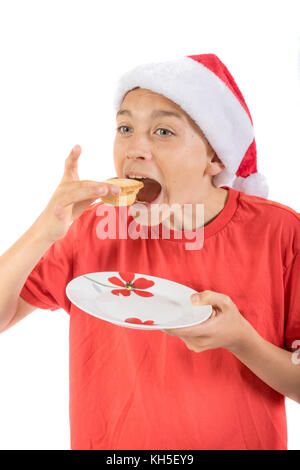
column 137, row 389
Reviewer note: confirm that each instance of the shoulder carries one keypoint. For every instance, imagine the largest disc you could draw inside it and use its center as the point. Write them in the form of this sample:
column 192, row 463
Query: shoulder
column 275, row 219
column 267, row 204
column 272, row 207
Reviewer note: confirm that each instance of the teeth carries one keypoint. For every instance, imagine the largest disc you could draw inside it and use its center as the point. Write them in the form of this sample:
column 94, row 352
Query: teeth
column 136, row 177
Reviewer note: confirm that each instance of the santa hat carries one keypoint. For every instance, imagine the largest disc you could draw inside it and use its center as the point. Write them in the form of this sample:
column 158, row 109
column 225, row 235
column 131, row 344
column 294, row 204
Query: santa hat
column 205, row 89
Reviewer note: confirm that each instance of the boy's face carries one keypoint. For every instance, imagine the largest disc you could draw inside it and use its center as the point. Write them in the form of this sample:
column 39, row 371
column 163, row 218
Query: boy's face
column 171, row 150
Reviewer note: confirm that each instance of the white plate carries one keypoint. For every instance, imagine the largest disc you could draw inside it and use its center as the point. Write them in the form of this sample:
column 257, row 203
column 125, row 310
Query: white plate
column 135, row 300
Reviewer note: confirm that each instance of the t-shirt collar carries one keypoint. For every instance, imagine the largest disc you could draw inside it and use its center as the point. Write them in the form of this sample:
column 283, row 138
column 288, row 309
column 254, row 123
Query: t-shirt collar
column 210, row 229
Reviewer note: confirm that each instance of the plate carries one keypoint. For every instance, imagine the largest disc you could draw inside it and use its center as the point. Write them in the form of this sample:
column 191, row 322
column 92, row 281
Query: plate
column 135, row 300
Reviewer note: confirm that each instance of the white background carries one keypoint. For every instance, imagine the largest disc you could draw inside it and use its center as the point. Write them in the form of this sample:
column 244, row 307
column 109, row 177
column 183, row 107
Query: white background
column 59, row 62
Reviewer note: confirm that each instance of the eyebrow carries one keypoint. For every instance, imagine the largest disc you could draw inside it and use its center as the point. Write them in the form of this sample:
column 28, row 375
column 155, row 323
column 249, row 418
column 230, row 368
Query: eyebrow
column 155, row 114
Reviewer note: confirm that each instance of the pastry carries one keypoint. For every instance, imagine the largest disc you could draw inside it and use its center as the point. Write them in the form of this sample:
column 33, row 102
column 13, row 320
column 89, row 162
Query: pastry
column 128, row 194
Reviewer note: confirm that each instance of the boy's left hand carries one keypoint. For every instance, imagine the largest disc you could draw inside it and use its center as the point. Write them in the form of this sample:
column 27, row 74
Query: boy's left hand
column 225, row 328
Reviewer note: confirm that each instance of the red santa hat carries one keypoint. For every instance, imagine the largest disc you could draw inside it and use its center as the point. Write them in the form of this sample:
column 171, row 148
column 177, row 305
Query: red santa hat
column 205, row 89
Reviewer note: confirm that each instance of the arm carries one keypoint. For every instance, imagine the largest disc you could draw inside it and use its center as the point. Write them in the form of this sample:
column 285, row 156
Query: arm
column 227, row 328
column 278, row 368
column 15, row 266
column 69, row 201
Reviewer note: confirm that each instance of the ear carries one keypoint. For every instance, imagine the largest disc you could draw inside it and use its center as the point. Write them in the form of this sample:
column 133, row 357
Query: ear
column 214, row 165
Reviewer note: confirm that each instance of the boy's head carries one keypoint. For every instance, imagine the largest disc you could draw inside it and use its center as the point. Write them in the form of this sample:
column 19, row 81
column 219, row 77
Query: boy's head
column 214, row 142
column 169, row 148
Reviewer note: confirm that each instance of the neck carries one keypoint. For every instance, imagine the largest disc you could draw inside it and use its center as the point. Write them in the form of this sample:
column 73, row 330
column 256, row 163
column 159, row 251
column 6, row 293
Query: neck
column 193, row 215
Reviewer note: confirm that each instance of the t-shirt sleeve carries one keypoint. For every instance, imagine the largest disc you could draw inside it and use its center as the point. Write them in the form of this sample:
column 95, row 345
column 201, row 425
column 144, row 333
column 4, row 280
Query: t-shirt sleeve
column 46, row 284
column 292, row 303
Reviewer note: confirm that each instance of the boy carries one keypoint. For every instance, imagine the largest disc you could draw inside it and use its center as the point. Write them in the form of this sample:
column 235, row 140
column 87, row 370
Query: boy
column 220, row 384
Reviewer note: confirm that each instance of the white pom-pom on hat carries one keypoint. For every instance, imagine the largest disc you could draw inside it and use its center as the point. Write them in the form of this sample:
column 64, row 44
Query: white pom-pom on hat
column 255, row 184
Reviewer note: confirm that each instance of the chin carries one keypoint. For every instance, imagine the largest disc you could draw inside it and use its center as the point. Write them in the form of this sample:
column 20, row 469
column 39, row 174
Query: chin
column 148, row 213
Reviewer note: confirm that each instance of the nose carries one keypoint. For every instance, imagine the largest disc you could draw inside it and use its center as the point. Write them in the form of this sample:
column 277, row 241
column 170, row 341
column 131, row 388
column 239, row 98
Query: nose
column 139, row 154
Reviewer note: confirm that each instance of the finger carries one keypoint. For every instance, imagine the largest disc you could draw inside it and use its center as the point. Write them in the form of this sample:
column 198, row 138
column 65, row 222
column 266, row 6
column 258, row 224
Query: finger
column 107, row 187
column 195, row 345
column 82, row 192
column 113, row 190
column 189, row 331
column 218, row 301
column 71, row 193
column 60, row 211
column 81, row 206
column 202, row 329
column 168, row 332
column 71, row 165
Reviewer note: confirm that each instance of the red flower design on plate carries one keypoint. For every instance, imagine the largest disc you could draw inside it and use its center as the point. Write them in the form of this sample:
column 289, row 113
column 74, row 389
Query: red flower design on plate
column 129, row 285
column 138, row 321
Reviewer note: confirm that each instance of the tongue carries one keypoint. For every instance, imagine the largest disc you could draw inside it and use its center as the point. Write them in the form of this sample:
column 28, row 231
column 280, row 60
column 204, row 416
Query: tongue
column 150, row 191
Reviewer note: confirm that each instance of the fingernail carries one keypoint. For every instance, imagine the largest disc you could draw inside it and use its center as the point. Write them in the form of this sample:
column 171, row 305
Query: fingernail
column 102, row 190
column 194, row 297
column 115, row 190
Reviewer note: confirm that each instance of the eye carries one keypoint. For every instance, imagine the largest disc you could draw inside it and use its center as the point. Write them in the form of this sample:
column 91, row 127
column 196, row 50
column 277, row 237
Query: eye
column 161, row 129
column 120, row 127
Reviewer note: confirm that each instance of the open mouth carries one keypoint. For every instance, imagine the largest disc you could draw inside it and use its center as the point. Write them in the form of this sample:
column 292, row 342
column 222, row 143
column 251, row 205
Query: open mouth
column 150, row 191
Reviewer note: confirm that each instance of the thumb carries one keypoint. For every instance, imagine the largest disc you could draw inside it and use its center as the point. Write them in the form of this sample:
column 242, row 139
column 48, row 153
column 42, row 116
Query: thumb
column 204, row 298
column 198, row 298
column 220, row 302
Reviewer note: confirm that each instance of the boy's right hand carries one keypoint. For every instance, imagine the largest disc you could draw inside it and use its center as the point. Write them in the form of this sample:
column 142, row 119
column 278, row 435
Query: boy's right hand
column 70, row 199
